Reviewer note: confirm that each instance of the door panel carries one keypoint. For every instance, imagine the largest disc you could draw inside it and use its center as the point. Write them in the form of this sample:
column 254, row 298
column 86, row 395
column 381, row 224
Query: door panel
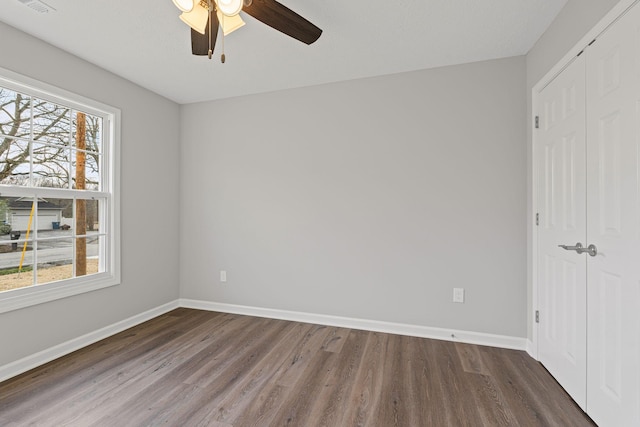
column 609, row 167
column 562, row 289
column 613, row 212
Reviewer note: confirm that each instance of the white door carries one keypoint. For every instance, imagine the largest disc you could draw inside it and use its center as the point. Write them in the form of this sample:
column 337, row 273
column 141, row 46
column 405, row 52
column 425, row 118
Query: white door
column 562, row 220
column 613, row 224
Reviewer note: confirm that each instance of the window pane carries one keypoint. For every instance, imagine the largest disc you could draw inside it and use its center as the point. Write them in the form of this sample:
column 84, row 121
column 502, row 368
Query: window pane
column 50, row 166
column 17, row 213
column 87, row 255
column 14, row 114
column 11, row 275
column 13, row 251
column 55, row 260
column 59, row 217
column 93, row 132
column 90, row 211
column 93, row 214
column 14, row 161
column 89, row 177
column 50, row 123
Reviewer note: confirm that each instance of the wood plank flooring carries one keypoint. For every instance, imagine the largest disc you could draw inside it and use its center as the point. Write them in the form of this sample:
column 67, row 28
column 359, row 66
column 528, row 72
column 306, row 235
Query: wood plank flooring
column 198, row 368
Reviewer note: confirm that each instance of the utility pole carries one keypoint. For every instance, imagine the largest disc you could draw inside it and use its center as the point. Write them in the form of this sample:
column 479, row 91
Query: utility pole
column 81, row 205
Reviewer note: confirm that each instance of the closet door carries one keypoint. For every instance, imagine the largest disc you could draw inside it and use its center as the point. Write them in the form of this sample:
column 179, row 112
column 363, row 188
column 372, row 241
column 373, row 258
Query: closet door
column 613, row 224
column 562, row 273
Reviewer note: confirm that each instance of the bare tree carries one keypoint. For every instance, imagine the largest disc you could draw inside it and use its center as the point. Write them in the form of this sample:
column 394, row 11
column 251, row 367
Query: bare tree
column 50, row 125
column 52, row 129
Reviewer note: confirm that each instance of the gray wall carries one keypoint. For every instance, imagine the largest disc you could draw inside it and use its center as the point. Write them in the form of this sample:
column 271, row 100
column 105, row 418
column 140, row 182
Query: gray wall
column 369, row 199
column 572, row 23
column 149, row 179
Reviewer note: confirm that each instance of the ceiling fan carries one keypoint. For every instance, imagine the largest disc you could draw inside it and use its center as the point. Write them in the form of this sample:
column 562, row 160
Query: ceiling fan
column 206, row 16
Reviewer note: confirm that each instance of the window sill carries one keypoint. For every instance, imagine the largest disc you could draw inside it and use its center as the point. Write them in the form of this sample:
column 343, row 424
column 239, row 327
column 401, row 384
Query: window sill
column 38, row 294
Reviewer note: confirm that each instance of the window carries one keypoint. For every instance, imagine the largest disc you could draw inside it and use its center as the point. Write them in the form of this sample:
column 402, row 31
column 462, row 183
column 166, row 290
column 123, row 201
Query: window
column 59, row 198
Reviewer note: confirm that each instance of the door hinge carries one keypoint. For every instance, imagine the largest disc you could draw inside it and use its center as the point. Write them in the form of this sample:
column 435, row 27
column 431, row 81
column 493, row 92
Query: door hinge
column 537, row 316
column 537, row 122
column 537, row 219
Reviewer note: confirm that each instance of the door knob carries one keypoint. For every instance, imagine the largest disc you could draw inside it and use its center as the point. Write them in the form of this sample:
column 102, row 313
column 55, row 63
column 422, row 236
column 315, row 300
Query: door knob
column 591, row 249
column 578, row 247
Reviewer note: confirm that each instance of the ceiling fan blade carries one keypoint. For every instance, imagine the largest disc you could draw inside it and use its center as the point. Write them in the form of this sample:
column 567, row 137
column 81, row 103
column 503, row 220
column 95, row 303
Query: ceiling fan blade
column 200, row 42
column 283, row 19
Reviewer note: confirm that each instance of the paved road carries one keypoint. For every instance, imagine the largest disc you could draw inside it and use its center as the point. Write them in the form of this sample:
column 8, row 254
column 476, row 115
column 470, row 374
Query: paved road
column 51, row 251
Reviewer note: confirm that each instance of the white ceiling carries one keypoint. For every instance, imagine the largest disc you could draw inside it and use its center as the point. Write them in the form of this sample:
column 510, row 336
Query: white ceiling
column 145, row 42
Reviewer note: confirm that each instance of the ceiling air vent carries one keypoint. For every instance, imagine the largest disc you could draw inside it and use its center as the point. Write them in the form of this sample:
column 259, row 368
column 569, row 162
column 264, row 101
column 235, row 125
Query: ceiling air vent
column 38, row 6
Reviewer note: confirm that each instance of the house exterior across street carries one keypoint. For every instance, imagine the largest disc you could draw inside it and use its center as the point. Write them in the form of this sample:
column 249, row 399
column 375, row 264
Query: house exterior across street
column 49, row 215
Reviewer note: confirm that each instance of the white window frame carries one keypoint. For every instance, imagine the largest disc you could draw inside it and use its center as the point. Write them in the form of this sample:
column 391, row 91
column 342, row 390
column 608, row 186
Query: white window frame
column 110, row 190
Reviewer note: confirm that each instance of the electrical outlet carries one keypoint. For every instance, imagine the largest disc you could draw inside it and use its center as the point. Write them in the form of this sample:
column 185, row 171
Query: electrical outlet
column 458, row 294
column 223, row 276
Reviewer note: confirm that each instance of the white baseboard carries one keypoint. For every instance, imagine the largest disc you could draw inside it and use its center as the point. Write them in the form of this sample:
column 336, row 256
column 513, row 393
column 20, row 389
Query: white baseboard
column 19, row 366
column 478, row 338
column 531, row 349
column 45, row 356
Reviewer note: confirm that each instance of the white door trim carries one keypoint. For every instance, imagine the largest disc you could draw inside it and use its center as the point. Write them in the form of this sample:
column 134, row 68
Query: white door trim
column 614, row 14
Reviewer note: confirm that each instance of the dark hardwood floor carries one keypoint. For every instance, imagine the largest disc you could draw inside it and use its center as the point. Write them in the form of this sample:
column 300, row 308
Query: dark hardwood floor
column 198, row 368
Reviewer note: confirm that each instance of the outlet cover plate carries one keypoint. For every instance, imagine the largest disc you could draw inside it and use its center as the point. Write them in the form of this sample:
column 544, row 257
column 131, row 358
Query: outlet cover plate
column 458, row 295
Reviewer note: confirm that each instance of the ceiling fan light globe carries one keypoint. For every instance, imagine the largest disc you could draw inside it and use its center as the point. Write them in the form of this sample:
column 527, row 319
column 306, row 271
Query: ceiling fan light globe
column 229, row 23
column 229, row 7
column 197, row 18
column 184, row 5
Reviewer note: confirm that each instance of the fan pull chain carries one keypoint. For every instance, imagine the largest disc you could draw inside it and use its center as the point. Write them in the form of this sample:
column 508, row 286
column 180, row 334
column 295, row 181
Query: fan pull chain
column 222, row 57
column 210, row 52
